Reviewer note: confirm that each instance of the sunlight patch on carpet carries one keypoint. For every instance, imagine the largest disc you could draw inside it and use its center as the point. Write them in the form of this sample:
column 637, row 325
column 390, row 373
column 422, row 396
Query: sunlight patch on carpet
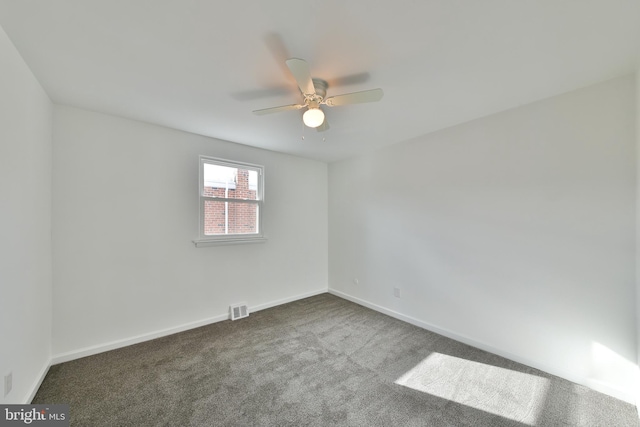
column 507, row 393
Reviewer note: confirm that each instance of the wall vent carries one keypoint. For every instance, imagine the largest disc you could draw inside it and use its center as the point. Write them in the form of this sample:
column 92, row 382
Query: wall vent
column 238, row 311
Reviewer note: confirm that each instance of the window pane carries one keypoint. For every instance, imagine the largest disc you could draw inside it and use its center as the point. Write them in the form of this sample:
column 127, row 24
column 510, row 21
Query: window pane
column 216, row 176
column 253, row 180
column 230, row 183
column 222, row 218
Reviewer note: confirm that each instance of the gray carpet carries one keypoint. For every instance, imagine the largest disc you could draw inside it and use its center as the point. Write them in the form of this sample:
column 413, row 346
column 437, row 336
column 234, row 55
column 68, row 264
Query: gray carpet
column 321, row 361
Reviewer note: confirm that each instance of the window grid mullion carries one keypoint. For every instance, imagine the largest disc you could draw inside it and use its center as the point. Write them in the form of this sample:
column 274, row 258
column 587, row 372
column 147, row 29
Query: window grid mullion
column 223, row 199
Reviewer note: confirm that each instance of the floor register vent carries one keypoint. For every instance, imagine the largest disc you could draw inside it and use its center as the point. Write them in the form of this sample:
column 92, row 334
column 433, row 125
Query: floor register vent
column 238, row 311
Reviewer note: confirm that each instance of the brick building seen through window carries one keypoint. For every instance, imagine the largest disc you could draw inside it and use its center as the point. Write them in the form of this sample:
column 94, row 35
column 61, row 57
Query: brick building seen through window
column 229, row 217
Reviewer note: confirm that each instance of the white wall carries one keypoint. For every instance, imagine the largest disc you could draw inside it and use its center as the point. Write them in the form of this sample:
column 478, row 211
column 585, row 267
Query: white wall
column 514, row 232
column 125, row 213
column 25, row 226
column 638, row 230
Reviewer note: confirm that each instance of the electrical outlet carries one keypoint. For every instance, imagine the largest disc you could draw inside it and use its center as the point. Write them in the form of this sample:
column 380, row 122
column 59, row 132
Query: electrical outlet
column 8, row 383
column 356, row 281
column 396, row 292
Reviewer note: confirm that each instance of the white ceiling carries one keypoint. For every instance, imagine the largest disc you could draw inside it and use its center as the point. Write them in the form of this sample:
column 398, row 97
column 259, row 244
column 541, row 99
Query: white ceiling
column 203, row 66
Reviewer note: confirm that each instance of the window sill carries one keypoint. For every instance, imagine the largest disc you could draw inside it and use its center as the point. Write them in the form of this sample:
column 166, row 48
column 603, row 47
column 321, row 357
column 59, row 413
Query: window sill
column 203, row 243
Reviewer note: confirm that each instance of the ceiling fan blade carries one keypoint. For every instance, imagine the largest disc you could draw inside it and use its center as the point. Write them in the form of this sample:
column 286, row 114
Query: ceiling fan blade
column 371, row 95
column 351, row 79
column 278, row 109
column 300, row 70
column 251, row 95
column 324, row 126
column 278, row 50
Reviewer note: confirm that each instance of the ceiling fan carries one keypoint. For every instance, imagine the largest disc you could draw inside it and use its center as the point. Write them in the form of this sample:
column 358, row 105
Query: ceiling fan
column 314, row 92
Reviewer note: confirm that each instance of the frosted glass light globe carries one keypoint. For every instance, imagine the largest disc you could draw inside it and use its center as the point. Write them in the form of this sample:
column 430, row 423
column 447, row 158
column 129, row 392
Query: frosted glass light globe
column 313, row 117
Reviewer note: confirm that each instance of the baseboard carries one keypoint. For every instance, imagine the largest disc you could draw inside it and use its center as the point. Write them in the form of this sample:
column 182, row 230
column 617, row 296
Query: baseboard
column 100, row 348
column 38, row 382
column 602, row 388
column 287, row 300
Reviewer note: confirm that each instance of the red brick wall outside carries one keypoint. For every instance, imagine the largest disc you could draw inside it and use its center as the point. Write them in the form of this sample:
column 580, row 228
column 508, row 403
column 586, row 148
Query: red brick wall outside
column 242, row 216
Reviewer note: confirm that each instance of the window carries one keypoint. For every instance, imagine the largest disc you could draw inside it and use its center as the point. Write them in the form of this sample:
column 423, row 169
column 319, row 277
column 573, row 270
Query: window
column 231, row 196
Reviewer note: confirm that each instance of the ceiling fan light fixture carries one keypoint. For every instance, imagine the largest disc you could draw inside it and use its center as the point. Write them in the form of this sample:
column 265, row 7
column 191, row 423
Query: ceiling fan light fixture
column 313, row 117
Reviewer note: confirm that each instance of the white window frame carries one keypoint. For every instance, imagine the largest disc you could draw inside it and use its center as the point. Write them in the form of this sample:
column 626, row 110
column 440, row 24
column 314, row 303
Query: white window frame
column 226, row 239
